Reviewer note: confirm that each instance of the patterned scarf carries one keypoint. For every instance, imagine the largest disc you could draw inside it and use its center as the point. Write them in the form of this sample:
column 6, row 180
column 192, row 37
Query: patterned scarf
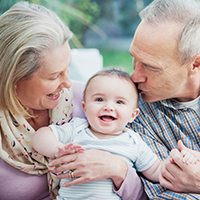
column 15, row 140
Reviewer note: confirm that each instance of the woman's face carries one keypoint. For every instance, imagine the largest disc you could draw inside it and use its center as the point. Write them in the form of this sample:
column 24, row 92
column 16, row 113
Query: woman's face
column 42, row 90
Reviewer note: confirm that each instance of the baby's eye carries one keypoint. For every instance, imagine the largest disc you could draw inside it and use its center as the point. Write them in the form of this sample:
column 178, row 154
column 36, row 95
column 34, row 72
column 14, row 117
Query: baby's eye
column 120, row 102
column 99, row 99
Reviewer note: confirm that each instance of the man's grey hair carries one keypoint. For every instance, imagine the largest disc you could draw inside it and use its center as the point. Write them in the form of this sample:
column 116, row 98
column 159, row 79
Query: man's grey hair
column 185, row 13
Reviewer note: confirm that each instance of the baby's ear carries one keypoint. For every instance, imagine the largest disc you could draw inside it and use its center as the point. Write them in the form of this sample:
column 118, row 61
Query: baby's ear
column 83, row 105
column 135, row 114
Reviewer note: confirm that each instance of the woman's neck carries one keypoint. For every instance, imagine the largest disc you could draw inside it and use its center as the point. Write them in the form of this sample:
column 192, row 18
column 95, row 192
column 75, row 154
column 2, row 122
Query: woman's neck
column 41, row 119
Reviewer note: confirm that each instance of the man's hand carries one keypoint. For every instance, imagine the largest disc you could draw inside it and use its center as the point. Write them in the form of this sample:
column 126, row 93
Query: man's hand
column 178, row 176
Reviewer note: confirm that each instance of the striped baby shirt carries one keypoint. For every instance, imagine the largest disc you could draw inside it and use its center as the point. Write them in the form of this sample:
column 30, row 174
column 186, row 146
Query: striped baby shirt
column 128, row 145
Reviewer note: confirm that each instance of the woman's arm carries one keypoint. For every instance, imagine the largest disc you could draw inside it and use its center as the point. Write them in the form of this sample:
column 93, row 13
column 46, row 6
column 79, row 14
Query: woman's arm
column 132, row 187
column 92, row 165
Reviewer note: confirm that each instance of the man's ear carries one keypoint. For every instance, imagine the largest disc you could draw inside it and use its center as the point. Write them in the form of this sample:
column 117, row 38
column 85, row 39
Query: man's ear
column 195, row 65
column 134, row 114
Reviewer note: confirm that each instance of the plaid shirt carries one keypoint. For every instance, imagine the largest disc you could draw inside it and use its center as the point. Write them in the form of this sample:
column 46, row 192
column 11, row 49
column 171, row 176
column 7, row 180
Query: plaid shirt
column 161, row 124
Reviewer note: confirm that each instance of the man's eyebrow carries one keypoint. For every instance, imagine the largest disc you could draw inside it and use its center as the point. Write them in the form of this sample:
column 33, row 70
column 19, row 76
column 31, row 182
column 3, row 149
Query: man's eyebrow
column 149, row 65
column 145, row 64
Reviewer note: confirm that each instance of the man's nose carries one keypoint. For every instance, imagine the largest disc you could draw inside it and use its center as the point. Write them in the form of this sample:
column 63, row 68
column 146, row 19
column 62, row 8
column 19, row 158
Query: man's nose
column 138, row 76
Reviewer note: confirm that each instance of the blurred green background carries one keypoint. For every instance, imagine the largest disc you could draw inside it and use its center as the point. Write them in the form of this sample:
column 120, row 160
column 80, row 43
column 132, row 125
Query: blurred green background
column 107, row 25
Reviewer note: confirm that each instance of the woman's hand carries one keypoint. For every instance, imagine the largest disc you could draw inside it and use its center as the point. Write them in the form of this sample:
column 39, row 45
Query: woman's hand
column 90, row 165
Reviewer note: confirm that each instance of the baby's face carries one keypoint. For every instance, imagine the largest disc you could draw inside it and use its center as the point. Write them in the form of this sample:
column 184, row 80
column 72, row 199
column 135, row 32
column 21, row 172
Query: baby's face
column 110, row 103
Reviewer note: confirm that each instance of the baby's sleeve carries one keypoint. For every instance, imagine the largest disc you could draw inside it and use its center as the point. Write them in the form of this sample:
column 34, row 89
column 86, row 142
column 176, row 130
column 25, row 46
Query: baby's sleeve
column 145, row 156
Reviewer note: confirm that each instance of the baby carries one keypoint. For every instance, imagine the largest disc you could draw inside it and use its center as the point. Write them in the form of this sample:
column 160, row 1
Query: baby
column 110, row 102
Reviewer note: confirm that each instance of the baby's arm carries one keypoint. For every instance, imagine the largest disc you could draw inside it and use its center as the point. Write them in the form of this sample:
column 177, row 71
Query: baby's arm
column 46, row 143
column 152, row 173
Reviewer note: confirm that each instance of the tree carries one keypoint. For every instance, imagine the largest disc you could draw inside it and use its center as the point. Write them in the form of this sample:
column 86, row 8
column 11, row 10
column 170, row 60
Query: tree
column 77, row 14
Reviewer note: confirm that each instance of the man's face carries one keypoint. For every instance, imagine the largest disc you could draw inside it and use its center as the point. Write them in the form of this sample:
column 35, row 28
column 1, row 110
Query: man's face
column 157, row 70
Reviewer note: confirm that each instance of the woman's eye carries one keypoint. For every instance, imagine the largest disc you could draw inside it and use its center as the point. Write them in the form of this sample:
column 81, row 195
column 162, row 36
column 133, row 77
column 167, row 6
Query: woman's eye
column 55, row 77
column 120, row 102
column 99, row 99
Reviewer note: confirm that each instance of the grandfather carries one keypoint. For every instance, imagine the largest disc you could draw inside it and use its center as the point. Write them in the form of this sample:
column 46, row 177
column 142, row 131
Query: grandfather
column 166, row 51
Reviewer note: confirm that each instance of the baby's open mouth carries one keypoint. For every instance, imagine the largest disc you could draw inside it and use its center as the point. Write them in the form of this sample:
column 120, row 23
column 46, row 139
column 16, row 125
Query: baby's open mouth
column 107, row 118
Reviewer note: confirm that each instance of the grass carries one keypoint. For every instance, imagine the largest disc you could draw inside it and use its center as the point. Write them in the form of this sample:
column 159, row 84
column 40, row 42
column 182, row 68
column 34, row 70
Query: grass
column 117, row 59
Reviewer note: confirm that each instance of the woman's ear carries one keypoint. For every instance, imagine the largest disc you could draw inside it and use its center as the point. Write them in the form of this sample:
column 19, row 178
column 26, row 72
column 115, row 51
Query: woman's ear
column 134, row 114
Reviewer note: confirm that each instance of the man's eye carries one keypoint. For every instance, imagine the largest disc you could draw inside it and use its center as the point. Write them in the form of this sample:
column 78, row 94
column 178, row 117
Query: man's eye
column 120, row 102
column 99, row 99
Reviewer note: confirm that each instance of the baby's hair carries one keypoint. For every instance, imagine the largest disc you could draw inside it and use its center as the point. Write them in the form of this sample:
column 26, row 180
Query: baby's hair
column 111, row 72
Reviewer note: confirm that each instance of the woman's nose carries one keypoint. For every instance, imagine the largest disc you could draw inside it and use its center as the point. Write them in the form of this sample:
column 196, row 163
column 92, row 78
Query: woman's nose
column 66, row 82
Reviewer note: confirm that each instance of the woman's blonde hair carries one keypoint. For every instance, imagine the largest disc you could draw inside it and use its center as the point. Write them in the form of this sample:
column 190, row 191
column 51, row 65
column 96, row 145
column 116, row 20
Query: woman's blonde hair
column 27, row 33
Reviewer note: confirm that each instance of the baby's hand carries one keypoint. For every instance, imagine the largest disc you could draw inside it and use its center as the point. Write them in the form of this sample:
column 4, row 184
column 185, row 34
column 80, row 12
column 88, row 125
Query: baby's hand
column 188, row 158
column 69, row 148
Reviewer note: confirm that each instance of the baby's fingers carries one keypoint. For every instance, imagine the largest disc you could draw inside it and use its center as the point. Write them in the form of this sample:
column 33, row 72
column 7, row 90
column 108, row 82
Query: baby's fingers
column 188, row 158
column 77, row 148
column 64, row 150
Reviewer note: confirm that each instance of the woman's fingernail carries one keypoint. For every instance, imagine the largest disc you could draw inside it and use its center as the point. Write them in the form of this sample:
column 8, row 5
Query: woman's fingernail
column 51, row 171
column 50, row 164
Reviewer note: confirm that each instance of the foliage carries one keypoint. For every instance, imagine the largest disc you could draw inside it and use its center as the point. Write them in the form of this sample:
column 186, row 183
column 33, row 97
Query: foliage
column 6, row 4
column 77, row 14
column 129, row 11
column 117, row 59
